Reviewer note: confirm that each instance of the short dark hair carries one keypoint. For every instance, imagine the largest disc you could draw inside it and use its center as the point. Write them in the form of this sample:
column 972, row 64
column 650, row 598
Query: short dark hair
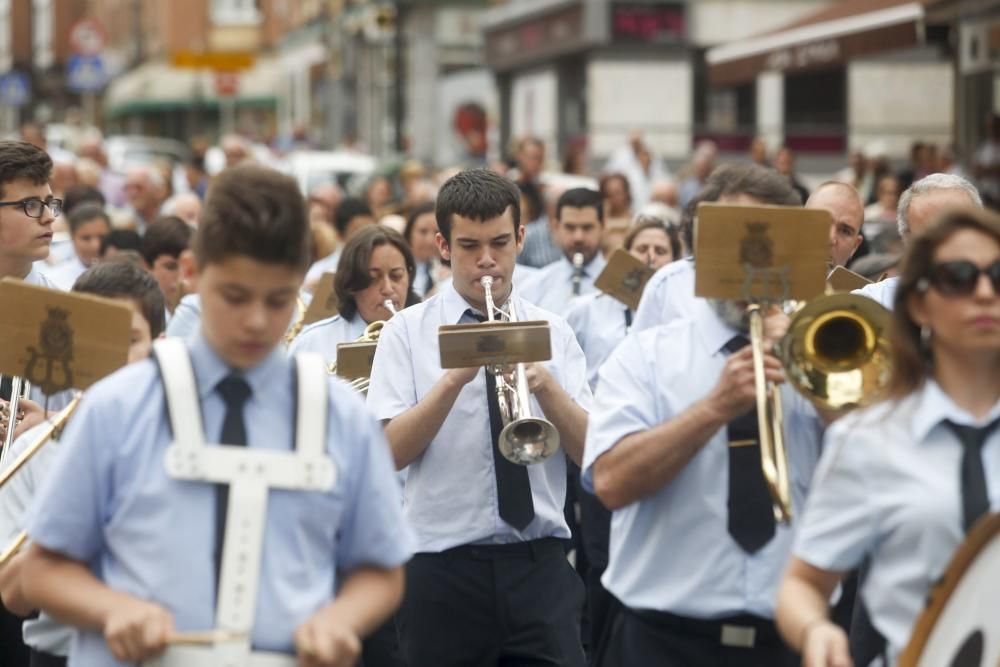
column 532, row 197
column 255, row 212
column 347, row 210
column 121, row 280
column 85, row 213
column 167, row 235
column 121, row 239
column 19, row 159
column 615, row 176
column 352, row 270
column 477, row 194
column 81, row 194
column 644, row 222
column 581, row 198
column 750, row 179
column 411, row 220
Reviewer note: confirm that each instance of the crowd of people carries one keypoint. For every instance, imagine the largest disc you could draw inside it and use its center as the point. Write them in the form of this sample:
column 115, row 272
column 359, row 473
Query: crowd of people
column 327, row 527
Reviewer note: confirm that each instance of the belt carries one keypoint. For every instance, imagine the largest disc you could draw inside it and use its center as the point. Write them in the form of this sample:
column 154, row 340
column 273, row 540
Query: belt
column 529, row 550
column 199, row 656
column 740, row 631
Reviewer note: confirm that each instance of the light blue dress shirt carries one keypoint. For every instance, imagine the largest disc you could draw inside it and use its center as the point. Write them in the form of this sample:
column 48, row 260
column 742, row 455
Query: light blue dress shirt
column 66, row 273
column 323, row 265
column 450, row 495
column 888, row 486
column 539, row 247
column 324, row 336
column 599, row 322
column 110, row 502
column 39, row 278
column 883, row 291
column 672, row 551
column 551, row 287
column 669, row 295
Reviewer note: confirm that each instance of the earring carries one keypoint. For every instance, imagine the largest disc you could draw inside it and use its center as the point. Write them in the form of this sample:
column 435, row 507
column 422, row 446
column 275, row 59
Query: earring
column 925, row 337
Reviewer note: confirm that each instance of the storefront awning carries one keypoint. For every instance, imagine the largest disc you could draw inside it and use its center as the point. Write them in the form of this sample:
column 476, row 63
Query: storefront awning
column 846, row 30
column 159, row 86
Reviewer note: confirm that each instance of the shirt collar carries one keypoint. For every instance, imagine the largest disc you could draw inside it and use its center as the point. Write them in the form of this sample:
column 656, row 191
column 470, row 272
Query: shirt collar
column 454, row 304
column 714, row 331
column 590, row 270
column 210, row 369
column 934, row 406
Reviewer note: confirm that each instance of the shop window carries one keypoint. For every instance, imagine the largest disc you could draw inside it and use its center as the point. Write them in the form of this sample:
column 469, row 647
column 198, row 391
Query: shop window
column 816, row 111
column 726, row 115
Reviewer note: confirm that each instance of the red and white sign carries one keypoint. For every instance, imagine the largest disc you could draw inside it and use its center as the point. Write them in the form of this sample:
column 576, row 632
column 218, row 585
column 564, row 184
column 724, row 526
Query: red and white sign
column 227, row 83
column 88, row 37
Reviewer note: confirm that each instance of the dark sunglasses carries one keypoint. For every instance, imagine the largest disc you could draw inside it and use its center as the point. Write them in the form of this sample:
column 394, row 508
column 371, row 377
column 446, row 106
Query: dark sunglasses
column 959, row 278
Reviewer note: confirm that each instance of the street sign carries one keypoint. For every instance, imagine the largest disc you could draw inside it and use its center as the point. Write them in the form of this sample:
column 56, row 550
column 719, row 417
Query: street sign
column 227, row 84
column 226, row 61
column 88, row 37
column 86, row 73
column 15, row 89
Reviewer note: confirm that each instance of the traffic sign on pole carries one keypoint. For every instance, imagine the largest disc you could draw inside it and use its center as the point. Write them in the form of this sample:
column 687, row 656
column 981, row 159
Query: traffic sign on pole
column 88, row 37
column 15, row 89
column 86, row 73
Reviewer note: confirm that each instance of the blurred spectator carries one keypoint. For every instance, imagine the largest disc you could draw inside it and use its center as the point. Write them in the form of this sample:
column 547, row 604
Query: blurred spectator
column 165, row 239
column 858, row 174
column 63, row 178
column 417, row 189
column 575, row 158
column 143, row 192
column 639, row 165
column 351, row 216
column 378, row 196
column 88, row 172
column 195, row 175
column 88, row 226
column 236, row 149
column 420, row 232
column 118, row 240
column 986, row 162
column 530, row 162
column 758, row 152
column 784, row 163
column 917, row 168
column 34, row 133
column 81, row 194
column 186, row 206
column 540, row 248
column 111, row 184
column 884, row 208
column 393, row 221
column 948, row 162
column 693, row 176
column 664, row 191
column 617, row 196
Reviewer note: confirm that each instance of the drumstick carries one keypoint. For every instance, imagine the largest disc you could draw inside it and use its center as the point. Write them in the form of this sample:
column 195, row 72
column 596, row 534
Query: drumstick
column 205, row 637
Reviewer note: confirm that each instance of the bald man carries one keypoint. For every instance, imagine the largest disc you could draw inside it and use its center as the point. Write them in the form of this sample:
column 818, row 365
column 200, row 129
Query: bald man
column 845, row 205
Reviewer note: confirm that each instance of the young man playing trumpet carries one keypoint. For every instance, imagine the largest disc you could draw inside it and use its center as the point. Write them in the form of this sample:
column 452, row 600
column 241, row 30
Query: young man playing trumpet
column 490, row 584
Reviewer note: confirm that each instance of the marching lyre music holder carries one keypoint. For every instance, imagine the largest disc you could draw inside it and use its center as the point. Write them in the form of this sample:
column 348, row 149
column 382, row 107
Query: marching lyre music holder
column 355, row 359
column 324, row 303
column 494, row 343
column 624, row 278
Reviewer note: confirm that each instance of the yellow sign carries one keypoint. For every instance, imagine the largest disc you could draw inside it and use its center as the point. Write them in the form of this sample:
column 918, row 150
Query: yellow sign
column 223, row 61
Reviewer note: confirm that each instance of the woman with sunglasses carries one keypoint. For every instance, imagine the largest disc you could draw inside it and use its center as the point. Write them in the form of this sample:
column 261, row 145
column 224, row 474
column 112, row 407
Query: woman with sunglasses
column 900, row 483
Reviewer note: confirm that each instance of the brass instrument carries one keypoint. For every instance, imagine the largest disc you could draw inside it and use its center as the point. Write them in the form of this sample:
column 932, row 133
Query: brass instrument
column 299, row 323
column 577, row 272
column 20, row 388
column 525, row 439
column 53, row 430
column 835, row 353
column 370, row 335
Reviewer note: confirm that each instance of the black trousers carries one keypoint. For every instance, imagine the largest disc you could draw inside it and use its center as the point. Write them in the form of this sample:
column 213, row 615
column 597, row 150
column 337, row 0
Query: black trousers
column 505, row 605
column 601, row 607
column 13, row 652
column 665, row 640
column 381, row 648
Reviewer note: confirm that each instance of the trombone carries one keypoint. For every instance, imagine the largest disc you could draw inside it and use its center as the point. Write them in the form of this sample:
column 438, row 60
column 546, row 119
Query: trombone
column 835, row 353
column 525, row 439
column 52, row 431
column 370, row 335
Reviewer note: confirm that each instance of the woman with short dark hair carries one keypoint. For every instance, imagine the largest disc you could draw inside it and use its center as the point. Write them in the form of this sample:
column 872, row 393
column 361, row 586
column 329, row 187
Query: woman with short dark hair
column 376, row 266
column 900, row 483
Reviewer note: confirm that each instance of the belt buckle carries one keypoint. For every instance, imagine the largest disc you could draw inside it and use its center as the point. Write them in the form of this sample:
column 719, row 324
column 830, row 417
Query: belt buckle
column 738, row 636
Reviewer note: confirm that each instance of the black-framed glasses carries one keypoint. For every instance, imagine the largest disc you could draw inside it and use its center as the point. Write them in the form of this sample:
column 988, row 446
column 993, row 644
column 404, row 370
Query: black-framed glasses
column 959, row 278
column 33, row 206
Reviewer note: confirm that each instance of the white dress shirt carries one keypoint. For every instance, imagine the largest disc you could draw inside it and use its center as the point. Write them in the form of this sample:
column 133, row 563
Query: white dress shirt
column 884, row 291
column 672, row 551
column 551, row 287
column 66, row 273
column 888, row 486
column 324, row 336
column 669, row 295
column 450, row 496
column 600, row 323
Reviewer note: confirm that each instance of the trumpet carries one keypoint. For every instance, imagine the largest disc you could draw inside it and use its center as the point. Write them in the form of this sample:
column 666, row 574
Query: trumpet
column 836, row 354
column 370, row 335
column 20, row 388
column 577, row 272
column 525, row 439
column 53, row 430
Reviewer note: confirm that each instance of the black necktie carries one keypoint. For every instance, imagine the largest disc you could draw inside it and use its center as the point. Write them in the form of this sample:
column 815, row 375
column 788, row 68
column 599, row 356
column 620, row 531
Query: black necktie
column 514, row 500
column 234, row 391
column 975, row 497
column 751, row 515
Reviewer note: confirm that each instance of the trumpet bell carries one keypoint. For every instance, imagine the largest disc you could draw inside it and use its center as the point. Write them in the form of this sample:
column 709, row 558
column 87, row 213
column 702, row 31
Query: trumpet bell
column 836, row 351
column 528, row 441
